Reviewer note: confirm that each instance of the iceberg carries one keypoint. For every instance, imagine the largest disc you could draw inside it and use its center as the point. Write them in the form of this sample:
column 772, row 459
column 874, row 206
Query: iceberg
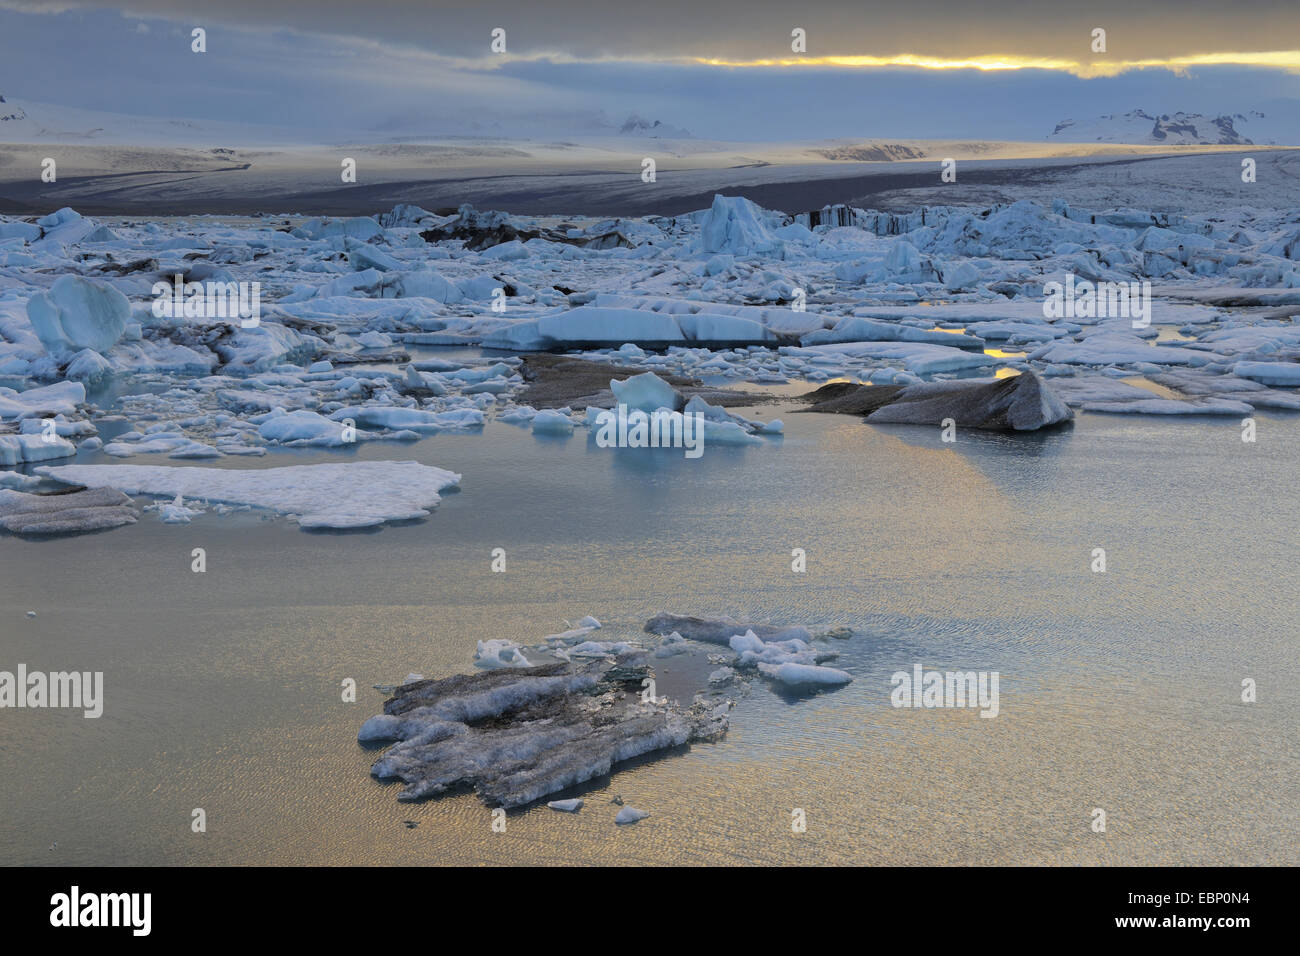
column 735, row 225
column 1019, row 403
column 78, row 314
column 646, row 392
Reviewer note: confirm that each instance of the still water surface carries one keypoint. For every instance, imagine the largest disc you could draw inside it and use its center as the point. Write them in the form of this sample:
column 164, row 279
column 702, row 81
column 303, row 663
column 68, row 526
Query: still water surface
column 1119, row 690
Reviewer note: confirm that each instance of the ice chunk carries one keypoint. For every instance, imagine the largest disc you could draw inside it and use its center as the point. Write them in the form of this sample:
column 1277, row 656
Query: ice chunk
column 304, row 426
column 77, row 314
column 88, row 366
column 566, row 806
column 498, row 652
column 1269, row 373
column 550, row 421
column 61, row 398
column 748, row 641
column 796, row 675
column 646, row 392
column 20, row 449
column 630, row 815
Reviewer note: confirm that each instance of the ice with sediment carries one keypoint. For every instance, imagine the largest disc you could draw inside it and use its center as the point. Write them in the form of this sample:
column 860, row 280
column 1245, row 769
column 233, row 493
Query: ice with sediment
column 73, row 513
column 519, row 734
column 1020, row 403
column 355, row 494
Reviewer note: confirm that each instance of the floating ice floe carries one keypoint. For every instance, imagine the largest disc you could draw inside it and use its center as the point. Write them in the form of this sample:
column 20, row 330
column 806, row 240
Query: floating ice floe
column 72, row 513
column 519, row 734
column 355, row 494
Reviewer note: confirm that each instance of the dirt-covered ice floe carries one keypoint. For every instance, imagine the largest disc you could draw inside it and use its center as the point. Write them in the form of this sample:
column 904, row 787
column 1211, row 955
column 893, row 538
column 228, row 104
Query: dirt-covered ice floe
column 72, row 513
column 1020, row 403
column 347, row 495
column 526, row 727
column 519, row 734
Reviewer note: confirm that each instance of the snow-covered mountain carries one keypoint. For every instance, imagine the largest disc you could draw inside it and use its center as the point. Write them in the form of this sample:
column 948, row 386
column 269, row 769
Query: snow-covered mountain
column 1166, row 129
column 636, row 125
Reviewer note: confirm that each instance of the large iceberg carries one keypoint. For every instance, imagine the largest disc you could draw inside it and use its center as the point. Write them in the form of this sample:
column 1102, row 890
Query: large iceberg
column 736, row 225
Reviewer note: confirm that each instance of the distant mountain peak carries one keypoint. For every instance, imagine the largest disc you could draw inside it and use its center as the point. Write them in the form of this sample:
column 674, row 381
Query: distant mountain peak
column 637, row 125
column 1165, row 129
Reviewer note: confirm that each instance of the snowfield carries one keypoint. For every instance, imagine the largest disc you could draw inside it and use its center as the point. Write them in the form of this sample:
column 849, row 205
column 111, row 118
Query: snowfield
column 352, row 311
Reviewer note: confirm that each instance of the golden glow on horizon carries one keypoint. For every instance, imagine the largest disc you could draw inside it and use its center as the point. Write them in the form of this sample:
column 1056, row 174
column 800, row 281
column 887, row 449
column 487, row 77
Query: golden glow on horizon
column 1101, row 65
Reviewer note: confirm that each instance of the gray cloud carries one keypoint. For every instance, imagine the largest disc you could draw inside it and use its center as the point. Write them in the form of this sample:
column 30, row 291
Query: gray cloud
column 752, row 29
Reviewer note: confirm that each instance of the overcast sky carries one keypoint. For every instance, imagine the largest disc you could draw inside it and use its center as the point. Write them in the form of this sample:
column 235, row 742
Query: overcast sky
column 722, row 70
